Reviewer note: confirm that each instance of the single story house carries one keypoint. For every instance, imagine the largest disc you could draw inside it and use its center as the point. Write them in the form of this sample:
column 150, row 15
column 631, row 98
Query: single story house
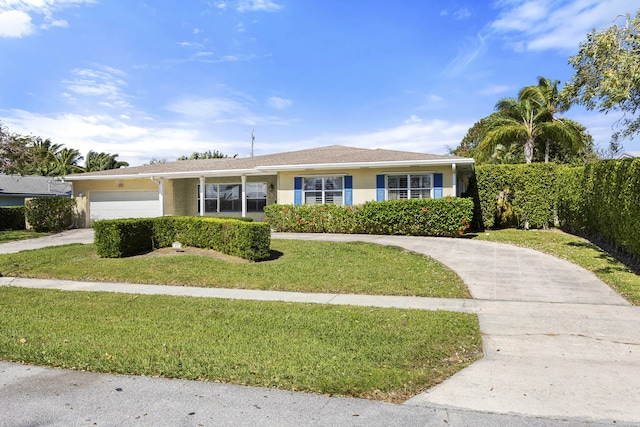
column 243, row 186
column 14, row 189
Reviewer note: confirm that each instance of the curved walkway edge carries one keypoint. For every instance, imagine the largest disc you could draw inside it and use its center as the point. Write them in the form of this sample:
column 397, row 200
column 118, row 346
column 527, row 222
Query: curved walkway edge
column 558, row 342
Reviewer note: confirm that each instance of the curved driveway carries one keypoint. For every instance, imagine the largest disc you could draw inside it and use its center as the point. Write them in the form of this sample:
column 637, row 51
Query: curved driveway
column 558, row 342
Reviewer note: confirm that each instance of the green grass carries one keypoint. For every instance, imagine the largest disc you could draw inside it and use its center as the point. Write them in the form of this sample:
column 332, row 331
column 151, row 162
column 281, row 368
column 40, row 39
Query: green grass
column 13, row 235
column 577, row 250
column 298, row 266
column 388, row 354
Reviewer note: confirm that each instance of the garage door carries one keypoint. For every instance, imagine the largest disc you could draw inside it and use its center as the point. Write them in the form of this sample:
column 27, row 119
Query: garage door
column 123, row 204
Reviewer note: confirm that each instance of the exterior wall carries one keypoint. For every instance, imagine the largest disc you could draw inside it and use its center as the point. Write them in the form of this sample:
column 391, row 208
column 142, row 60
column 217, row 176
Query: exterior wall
column 84, row 188
column 364, row 181
column 11, row 201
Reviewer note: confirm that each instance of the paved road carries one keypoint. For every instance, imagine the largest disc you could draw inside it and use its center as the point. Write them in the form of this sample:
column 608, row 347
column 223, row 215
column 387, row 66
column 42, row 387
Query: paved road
column 560, row 347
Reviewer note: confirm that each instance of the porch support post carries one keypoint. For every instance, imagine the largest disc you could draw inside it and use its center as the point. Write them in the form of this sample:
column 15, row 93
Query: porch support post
column 161, row 196
column 244, row 195
column 202, row 196
column 455, row 180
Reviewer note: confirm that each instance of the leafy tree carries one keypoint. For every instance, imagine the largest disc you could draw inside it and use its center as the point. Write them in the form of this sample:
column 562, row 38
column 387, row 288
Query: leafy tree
column 531, row 120
column 14, row 154
column 155, row 161
column 469, row 145
column 215, row 154
column 607, row 75
column 102, row 161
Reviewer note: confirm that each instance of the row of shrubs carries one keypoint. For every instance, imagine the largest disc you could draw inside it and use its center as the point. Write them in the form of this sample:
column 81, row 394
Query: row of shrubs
column 125, row 237
column 12, row 218
column 599, row 200
column 46, row 214
column 449, row 216
column 602, row 200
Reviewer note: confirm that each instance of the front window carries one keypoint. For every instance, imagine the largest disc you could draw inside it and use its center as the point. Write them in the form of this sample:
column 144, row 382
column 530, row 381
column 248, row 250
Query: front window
column 409, row 186
column 326, row 189
column 228, row 197
column 256, row 196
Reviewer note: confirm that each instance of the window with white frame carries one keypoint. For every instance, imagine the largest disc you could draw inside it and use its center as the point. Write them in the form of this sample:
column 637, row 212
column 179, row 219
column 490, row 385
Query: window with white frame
column 409, row 186
column 256, row 196
column 323, row 189
column 228, row 197
column 221, row 198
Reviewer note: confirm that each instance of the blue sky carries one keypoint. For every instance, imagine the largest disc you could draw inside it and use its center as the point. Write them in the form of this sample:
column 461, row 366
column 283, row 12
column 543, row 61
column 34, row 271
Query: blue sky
column 159, row 79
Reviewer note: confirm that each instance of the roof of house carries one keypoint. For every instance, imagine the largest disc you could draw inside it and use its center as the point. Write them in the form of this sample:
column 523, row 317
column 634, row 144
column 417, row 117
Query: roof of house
column 630, row 155
column 335, row 156
column 32, row 186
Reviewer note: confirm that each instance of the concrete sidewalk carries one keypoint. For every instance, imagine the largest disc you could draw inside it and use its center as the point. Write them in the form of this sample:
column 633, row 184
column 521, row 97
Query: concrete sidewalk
column 558, row 343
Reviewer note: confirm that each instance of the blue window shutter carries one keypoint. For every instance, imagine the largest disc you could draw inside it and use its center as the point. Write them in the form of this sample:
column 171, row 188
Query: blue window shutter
column 379, row 188
column 437, row 186
column 297, row 191
column 348, row 190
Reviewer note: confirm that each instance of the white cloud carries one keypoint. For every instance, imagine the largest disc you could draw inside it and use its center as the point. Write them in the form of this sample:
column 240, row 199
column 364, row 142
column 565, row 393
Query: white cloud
column 462, row 13
column 17, row 16
column 543, row 25
column 15, row 24
column 414, row 134
column 104, row 82
column 466, row 55
column 258, row 6
column 134, row 144
column 215, row 110
column 61, row 23
column 278, row 103
column 495, row 89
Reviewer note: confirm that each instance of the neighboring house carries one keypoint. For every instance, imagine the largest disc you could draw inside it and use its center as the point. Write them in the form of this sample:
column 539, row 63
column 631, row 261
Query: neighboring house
column 630, row 155
column 14, row 189
column 243, row 186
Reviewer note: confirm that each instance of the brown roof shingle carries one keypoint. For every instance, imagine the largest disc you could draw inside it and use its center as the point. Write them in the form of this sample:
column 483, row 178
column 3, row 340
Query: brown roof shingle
column 334, row 154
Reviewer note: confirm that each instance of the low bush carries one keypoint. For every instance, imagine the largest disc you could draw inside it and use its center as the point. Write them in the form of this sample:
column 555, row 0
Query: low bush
column 126, row 237
column 117, row 238
column 448, row 216
column 50, row 213
column 12, row 218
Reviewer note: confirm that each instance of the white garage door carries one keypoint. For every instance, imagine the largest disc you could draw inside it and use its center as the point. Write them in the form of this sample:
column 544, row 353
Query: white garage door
column 123, row 204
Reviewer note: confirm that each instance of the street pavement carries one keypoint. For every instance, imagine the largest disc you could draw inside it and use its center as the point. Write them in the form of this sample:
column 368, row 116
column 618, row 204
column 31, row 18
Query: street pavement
column 561, row 348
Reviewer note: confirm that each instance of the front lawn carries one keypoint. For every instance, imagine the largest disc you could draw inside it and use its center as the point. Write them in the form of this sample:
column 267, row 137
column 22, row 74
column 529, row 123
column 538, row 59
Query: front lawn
column 387, row 354
column 297, row 266
column 13, row 235
column 577, row 250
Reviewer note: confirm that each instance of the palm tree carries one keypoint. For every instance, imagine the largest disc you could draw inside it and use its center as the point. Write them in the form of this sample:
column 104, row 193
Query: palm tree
column 532, row 118
column 43, row 155
column 102, row 161
column 67, row 162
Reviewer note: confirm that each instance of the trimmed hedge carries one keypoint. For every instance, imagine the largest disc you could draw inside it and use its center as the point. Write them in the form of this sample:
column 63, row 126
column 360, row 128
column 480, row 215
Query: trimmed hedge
column 125, row 237
column 516, row 195
column 50, row 213
column 449, row 216
column 602, row 200
column 12, row 218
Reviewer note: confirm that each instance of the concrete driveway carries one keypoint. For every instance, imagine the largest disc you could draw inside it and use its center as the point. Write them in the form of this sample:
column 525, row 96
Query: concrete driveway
column 560, row 347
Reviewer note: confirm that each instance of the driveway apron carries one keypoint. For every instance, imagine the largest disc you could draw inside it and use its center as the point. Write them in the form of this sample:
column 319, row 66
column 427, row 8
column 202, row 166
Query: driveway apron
column 557, row 340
